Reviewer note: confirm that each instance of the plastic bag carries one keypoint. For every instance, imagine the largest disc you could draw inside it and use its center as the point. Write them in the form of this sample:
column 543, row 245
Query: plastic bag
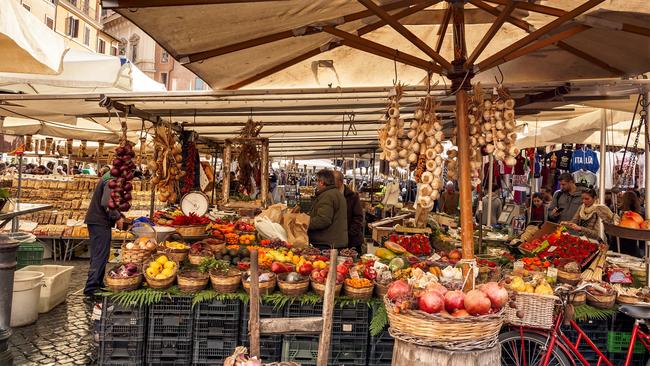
column 269, row 229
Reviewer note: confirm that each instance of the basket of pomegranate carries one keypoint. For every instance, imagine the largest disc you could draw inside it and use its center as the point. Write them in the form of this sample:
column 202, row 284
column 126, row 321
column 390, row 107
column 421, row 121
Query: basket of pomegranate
column 451, row 319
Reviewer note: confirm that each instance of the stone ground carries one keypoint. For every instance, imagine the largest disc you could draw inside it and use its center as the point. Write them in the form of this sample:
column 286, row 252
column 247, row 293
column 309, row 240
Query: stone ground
column 64, row 336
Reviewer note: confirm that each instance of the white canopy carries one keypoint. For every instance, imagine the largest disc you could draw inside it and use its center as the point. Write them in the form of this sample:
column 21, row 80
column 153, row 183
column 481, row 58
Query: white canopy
column 26, row 44
column 83, row 72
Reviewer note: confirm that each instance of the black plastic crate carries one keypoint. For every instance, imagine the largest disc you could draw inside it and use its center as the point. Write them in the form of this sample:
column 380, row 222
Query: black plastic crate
column 300, row 349
column 270, row 345
column 217, row 319
column 350, row 322
column 122, row 322
column 123, row 351
column 623, row 324
column 212, row 351
column 169, row 351
column 171, row 318
column 597, row 331
column 381, row 349
column 619, row 359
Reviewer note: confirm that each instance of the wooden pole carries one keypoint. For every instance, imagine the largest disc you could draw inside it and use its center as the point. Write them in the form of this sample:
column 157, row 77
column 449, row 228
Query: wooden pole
column 254, row 315
column 646, row 140
column 328, row 311
column 465, row 176
column 225, row 182
column 265, row 172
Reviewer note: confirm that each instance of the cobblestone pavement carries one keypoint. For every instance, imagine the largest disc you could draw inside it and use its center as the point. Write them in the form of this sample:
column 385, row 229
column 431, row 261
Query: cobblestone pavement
column 64, row 336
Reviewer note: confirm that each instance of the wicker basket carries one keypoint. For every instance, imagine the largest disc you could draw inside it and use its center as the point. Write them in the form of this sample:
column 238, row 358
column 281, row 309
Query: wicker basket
column 191, row 284
column 266, row 287
column 292, row 288
column 606, row 301
column 435, row 330
column 160, row 283
column 626, row 299
column 216, row 248
column 569, row 278
column 380, row 290
column 225, row 283
column 538, row 310
column 319, row 288
column 177, row 255
column 123, row 284
column 578, row 298
column 137, row 256
column 358, row 292
column 191, row 230
column 196, row 259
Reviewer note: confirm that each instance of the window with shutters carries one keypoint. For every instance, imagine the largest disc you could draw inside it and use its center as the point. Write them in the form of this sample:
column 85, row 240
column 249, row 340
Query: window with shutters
column 86, row 7
column 49, row 22
column 163, row 78
column 113, row 51
column 72, row 27
column 101, row 46
column 27, row 7
column 87, row 36
column 164, row 57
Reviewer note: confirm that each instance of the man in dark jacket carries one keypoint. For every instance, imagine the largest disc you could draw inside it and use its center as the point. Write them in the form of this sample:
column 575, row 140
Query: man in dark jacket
column 354, row 213
column 100, row 219
column 328, row 227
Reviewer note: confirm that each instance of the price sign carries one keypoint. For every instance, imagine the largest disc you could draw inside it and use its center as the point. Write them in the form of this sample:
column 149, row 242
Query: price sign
column 518, row 265
column 552, row 249
column 551, row 272
column 354, row 273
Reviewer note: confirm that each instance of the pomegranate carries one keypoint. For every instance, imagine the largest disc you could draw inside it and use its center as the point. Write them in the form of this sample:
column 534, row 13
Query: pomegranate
column 431, row 302
column 477, row 303
column 496, row 293
column 437, row 287
column 460, row 313
column 454, row 300
column 398, row 290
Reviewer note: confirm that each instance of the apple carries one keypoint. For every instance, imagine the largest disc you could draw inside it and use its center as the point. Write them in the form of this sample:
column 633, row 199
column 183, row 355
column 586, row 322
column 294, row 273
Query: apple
column 277, row 267
column 305, row 269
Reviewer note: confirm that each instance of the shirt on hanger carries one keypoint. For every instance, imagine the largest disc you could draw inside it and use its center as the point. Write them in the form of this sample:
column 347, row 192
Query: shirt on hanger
column 585, row 178
column 621, row 179
column 610, row 161
column 641, row 163
column 564, row 159
column 584, row 158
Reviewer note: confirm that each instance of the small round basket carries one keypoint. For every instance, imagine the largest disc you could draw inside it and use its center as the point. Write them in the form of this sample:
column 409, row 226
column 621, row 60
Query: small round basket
column 266, row 287
column 292, row 288
column 215, row 246
column 435, row 330
column 225, row 282
column 627, row 299
column 359, row 293
column 570, row 278
column 319, row 288
column 178, row 255
column 162, row 283
column 579, row 298
column 123, row 284
column 137, row 256
column 197, row 259
column 190, row 230
column 538, row 310
column 380, row 290
column 605, row 301
column 192, row 281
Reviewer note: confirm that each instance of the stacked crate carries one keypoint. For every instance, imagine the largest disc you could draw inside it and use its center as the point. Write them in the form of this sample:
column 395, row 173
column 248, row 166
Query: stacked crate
column 216, row 331
column 122, row 334
column 169, row 341
column 270, row 345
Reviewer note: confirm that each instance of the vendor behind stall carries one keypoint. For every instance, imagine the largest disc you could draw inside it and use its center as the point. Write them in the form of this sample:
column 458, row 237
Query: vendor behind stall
column 539, row 210
column 588, row 217
column 566, row 201
column 328, row 227
column 449, row 200
column 354, row 212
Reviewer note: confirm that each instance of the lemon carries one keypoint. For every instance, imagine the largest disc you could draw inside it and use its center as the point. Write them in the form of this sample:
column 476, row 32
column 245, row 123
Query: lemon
column 155, row 266
column 161, row 276
column 169, row 265
column 166, row 272
column 150, row 272
column 162, row 259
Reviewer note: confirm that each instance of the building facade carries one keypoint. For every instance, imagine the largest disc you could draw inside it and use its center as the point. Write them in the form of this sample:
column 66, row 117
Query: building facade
column 148, row 56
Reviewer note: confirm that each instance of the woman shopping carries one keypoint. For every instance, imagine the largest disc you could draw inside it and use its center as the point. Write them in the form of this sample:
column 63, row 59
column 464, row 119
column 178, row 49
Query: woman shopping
column 586, row 220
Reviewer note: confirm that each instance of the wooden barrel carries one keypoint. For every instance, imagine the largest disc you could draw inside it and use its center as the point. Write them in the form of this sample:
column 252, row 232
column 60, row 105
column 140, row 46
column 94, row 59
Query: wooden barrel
column 410, row 354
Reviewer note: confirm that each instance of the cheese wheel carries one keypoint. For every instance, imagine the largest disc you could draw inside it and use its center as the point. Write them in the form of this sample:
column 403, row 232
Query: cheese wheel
column 393, row 112
column 426, row 178
column 391, row 143
column 430, row 154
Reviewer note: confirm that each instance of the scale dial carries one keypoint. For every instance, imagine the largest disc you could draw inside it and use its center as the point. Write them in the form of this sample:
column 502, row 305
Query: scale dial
column 195, row 202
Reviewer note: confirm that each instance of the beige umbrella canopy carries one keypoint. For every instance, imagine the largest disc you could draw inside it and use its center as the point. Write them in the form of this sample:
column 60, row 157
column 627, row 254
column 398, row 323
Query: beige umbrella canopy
column 26, row 44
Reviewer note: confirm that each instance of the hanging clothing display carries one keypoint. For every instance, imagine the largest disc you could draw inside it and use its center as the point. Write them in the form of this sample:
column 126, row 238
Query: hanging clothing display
column 585, row 178
column 622, row 167
column 584, row 158
column 610, row 162
column 640, row 161
column 564, row 157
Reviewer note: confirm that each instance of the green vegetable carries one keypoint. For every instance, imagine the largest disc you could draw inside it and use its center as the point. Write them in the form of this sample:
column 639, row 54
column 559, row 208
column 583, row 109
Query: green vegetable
column 397, row 263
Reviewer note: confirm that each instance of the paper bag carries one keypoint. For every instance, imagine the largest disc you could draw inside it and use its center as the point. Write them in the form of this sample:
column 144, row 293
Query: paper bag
column 296, row 225
column 274, row 212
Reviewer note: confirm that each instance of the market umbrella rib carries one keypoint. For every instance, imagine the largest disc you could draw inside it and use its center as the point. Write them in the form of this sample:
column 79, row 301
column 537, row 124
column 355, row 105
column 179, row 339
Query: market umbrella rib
column 490, row 34
column 443, row 28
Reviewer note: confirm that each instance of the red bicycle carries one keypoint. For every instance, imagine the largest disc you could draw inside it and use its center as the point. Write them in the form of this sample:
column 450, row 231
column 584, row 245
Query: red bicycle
column 525, row 346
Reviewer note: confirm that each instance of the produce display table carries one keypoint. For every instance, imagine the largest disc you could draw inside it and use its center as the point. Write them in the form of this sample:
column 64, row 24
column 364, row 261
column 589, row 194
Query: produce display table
column 20, row 209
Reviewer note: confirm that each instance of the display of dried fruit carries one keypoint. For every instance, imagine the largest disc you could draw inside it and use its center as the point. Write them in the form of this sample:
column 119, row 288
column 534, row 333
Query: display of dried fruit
column 168, row 166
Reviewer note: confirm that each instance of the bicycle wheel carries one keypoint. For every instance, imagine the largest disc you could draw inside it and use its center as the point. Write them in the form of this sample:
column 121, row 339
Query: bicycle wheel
column 530, row 353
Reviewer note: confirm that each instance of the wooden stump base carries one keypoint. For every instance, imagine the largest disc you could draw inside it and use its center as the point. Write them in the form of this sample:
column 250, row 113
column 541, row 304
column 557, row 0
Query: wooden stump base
column 409, row 354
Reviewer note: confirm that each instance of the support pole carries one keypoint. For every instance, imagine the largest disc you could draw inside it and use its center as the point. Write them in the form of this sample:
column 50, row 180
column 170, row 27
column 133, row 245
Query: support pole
column 644, row 108
column 489, row 195
column 214, row 176
column 603, row 151
column 465, row 176
column 354, row 172
column 265, row 172
column 14, row 223
column 372, row 177
column 225, row 182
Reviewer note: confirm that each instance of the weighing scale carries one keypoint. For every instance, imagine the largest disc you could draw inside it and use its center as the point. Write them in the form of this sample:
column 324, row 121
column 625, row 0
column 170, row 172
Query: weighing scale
column 195, row 202
column 509, row 212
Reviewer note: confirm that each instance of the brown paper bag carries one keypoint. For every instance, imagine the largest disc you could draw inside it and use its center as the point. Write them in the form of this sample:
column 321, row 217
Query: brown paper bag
column 274, row 212
column 296, row 225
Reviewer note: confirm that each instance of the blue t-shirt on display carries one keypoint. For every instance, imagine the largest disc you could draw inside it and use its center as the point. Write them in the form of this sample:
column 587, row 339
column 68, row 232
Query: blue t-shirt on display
column 586, row 159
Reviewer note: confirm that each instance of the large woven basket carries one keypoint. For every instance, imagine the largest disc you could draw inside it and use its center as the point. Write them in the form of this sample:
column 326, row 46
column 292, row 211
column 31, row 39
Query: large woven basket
column 602, row 301
column 137, row 256
column 225, row 283
column 216, row 246
column 579, row 298
column 123, row 284
column 569, row 278
column 191, row 230
column 292, row 288
column 191, row 284
column 177, row 255
column 537, row 309
column 359, row 293
column 160, row 283
column 435, row 330
column 266, row 287
column 196, row 259
column 380, row 290
column 319, row 288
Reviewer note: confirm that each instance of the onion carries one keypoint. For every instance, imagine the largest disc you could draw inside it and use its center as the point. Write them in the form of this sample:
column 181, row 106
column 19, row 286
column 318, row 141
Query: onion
column 125, row 206
column 117, row 162
column 454, row 300
column 431, row 302
column 120, row 150
column 127, row 197
column 497, row 294
column 398, row 290
column 111, row 204
column 115, row 172
column 128, row 175
column 112, row 184
column 128, row 186
column 477, row 303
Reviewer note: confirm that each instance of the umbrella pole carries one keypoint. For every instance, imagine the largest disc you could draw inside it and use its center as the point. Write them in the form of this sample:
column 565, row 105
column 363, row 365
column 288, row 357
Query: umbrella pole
column 466, row 221
column 647, row 180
